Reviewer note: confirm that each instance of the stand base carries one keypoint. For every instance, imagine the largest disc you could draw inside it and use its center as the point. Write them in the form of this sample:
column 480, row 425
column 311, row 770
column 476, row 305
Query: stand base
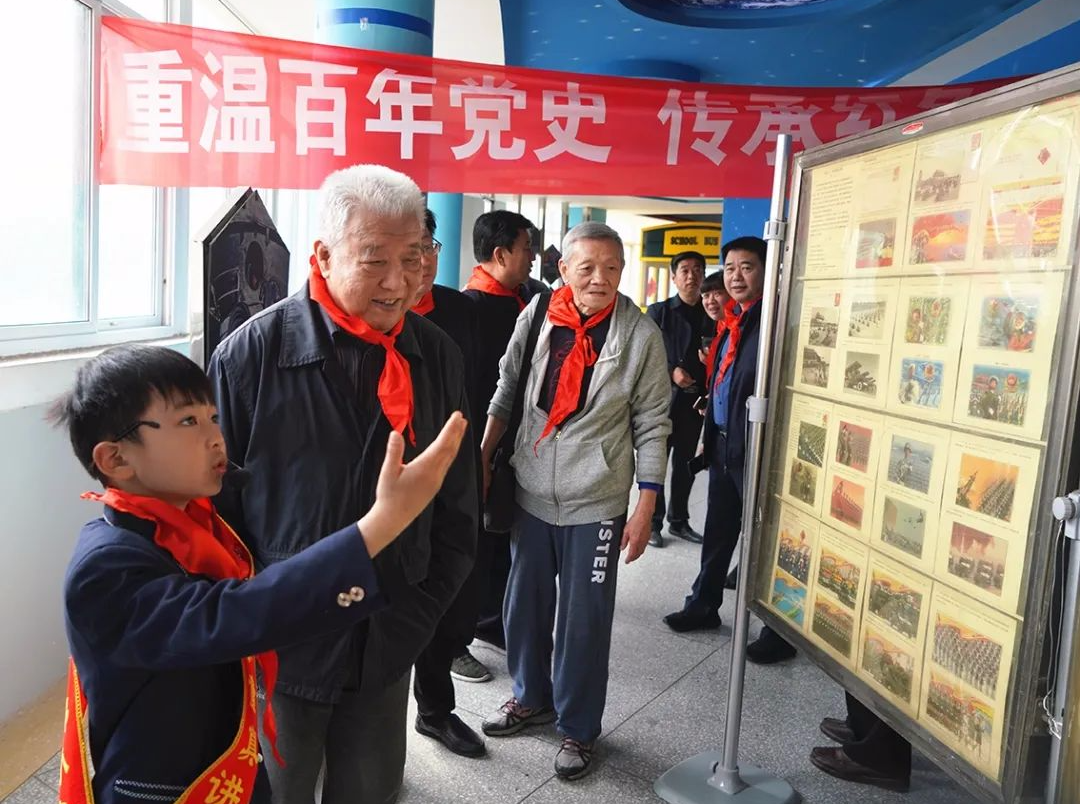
column 688, row 783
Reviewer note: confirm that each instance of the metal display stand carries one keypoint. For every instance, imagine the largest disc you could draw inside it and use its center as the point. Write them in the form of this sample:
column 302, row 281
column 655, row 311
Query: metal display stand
column 716, row 777
column 1025, row 743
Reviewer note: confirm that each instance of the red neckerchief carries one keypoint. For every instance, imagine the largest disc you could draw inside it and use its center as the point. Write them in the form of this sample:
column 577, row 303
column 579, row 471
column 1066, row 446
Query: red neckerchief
column 484, row 282
column 562, row 313
column 425, row 305
column 733, row 324
column 202, row 544
column 395, row 382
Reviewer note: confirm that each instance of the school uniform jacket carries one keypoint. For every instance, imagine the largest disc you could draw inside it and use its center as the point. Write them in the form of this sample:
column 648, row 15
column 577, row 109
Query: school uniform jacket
column 158, row 650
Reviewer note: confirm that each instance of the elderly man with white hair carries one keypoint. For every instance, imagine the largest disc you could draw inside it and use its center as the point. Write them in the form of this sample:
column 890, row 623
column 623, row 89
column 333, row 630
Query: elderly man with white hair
column 308, row 391
column 597, row 392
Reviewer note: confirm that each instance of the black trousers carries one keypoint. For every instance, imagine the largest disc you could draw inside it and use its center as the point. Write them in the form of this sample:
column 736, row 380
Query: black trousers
column 489, row 624
column 723, row 519
column 432, row 685
column 682, row 446
column 876, row 745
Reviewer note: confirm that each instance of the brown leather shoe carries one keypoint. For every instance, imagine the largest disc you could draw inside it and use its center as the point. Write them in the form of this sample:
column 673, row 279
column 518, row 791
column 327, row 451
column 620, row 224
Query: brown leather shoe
column 837, row 730
column 836, row 763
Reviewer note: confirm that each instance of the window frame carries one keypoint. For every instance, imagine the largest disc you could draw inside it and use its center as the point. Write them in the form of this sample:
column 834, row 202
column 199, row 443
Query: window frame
column 169, row 318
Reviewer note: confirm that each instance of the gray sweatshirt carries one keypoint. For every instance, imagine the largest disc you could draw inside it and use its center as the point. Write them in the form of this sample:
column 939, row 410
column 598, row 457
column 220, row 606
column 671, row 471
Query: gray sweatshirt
column 582, row 472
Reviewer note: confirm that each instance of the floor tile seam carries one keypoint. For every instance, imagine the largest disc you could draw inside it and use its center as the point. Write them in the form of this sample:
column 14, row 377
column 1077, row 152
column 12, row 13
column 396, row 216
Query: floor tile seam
column 666, row 689
column 47, row 782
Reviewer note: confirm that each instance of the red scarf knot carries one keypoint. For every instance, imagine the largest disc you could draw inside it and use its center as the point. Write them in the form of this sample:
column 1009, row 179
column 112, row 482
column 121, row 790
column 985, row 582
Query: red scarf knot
column 563, row 313
column 395, row 382
column 731, row 322
column 484, row 282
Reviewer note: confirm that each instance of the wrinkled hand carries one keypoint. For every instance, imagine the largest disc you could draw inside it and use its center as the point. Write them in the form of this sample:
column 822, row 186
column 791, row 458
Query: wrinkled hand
column 681, row 377
column 635, row 536
column 406, row 489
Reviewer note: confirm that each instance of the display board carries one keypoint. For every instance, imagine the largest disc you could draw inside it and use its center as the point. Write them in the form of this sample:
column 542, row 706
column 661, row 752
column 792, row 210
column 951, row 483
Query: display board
column 922, row 386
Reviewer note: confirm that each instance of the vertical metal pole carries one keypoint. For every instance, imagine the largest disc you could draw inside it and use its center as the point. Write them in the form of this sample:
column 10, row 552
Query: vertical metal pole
column 1067, row 510
column 727, row 776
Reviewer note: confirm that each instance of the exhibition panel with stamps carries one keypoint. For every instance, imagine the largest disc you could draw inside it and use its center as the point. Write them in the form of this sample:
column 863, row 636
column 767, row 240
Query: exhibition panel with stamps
column 917, row 369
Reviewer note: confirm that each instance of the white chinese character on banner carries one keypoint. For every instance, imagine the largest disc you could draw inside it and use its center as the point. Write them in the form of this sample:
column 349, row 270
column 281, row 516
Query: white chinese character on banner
column 308, row 115
column 155, row 102
column 781, row 114
column 244, row 128
column 856, row 107
column 574, row 106
column 487, row 116
column 406, row 99
column 703, row 109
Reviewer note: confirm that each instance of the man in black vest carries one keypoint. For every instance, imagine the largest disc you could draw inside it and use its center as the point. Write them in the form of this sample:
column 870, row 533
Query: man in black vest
column 682, row 322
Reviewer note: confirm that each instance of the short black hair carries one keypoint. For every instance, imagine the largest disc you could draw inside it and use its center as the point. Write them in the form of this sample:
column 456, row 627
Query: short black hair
column 687, row 255
column 747, row 243
column 714, row 281
column 429, row 222
column 113, row 390
column 495, row 229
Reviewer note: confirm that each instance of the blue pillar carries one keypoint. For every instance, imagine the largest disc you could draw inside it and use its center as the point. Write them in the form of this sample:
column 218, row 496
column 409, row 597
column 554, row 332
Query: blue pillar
column 744, row 216
column 396, row 26
column 447, row 209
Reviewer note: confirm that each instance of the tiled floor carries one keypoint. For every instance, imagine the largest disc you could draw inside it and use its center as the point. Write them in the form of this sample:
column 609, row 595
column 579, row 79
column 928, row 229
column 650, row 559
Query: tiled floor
column 666, row 702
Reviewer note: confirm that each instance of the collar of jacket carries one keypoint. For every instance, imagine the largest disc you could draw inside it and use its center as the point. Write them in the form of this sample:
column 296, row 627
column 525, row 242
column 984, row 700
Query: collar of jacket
column 306, row 333
column 676, row 301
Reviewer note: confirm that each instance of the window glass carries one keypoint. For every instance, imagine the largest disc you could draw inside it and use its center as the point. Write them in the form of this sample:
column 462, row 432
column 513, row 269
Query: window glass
column 45, row 164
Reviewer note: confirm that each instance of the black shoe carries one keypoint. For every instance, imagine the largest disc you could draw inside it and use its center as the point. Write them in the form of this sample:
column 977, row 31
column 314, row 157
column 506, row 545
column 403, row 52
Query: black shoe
column 769, row 648
column 656, row 539
column 454, row 734
column 837, row 730
column 732, row 580
column 837, row 763
column 683, row 621
column 684, row 531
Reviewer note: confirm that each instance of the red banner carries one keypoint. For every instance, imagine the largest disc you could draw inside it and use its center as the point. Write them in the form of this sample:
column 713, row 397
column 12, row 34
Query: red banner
column 189, row 107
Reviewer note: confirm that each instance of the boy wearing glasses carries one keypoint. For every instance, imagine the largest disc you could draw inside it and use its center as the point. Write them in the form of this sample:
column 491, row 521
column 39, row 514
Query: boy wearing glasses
column 167, row 621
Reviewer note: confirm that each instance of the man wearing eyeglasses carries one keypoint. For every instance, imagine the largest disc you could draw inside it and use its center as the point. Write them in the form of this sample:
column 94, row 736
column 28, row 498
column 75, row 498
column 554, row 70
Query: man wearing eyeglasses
column 433, row 675
column 308, row 392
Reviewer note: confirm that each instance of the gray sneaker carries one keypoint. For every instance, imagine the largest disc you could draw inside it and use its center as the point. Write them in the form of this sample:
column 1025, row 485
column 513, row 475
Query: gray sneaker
column 512, row 717
column 574, row 759
column 467, row 667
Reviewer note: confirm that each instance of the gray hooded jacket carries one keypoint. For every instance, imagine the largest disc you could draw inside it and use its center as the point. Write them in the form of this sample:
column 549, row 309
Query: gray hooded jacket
column 582, row 472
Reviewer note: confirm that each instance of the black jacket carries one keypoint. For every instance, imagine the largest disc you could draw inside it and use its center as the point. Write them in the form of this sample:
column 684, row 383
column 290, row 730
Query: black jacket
column 455, row 314
column 732, row 448
column 495, row 319
column 290, row 417
column 678, row 338
column 158, row 650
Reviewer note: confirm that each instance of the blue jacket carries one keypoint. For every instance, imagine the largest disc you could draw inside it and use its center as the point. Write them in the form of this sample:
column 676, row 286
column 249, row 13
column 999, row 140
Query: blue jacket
column 158, row 650
column 291, row 417
column 729, row 452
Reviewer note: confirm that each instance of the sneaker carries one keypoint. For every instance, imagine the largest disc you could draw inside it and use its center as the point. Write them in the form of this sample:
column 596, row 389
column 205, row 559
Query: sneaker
column 573, row 760
column 467, row 668
column 512, row 717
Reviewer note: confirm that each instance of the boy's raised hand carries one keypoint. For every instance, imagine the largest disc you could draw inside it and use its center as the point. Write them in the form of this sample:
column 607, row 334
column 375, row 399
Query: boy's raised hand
column 405, row 489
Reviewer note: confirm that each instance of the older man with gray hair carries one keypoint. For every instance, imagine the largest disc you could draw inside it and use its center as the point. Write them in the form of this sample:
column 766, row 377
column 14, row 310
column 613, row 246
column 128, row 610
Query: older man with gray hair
column 308, row 392
column 597, row 391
